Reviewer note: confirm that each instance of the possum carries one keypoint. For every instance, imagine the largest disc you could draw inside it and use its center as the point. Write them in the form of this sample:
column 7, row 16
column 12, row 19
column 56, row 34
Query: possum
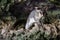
column 34, row 17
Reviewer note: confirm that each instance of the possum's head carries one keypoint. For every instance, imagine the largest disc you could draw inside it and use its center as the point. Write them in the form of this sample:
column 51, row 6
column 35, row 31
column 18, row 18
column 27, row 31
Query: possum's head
column 38, row 10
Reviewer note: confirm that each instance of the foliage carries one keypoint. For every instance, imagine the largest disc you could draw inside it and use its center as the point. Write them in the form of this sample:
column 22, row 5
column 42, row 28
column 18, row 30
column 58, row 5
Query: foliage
column 57, row 2
column 6, row 16
column 51, row 16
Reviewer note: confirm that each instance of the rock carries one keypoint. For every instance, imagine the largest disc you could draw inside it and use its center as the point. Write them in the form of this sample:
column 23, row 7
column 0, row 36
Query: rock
column 47, row 30
column 11, row 31
column 20, row 31
column 58, row 27
column 34, row 29
column 53, row 31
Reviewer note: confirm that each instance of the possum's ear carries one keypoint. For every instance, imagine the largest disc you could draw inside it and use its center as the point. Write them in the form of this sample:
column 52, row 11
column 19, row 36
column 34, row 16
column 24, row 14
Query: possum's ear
column 41, row 12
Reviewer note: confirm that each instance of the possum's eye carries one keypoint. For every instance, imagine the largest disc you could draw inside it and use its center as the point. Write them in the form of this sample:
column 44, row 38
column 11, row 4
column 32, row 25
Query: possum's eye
column 38, row 8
